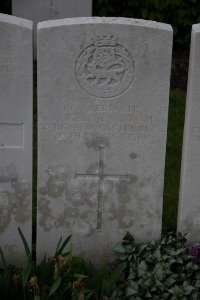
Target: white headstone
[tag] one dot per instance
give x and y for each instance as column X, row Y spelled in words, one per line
column 189, row 200
column 15, row 134
column 42, row 10
column 103, row 87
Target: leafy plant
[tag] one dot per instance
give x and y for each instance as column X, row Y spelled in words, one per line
column 161, row 269
column 63, row 276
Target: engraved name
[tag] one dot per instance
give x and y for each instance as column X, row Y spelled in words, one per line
column 9, row 64
column 118, row 123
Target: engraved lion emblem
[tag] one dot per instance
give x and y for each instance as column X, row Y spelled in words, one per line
column 105, row 68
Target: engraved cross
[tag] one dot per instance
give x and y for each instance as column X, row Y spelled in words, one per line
column 101, row 176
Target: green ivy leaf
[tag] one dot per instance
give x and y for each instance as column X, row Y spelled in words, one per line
column 178, row 291
column 159, row 273
column 131, row 292
column 188, row 288
column 147, row 282
column 141, row 248
column 119, row 248
column 142, row 266
column 157, row 254
column 197, row 284
column 148, row 295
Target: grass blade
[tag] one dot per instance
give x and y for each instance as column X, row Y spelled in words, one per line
column 64, row 244
column 26, row 247
column 3, row 259
column 54, row 287
column 25, row 274
column 59, row 244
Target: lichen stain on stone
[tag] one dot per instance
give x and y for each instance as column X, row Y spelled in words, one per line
column 93, row 168
column 121, row 187
column 158, row 213
column 147, row 207
column 123, row 184
column 11, row 251
column 56, row 182
column 142, row 184
column 132, row 155
column 76, row 198
column 108, row 186
column 146, row 182
column 133, row 202
column 148, row 233
column 121, row 211
column 22, row 199
column 95, row 142
column 150, row 214
column 5, row 216
column 132, row 179
column 8, row 173
column 191, row 227
column 122, row 215
column 14, row 196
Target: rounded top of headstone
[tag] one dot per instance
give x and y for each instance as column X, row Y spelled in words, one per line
column 196, row 27
column 16, row 21
column 106, row 20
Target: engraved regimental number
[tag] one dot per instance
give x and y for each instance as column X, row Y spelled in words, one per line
column 101, row 176
column 105, row 69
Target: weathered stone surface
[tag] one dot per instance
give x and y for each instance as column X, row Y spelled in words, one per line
column 189, row 204
column 103, row 86
column 15, row 134
column 42, row 10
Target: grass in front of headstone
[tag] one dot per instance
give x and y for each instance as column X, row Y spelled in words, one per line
column 162, row 269
column 173, row 159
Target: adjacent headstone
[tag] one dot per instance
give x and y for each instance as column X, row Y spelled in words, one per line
column 38, row 10
column 15, row 135
column 189, row 200
column 42, row 10
column 103, row 87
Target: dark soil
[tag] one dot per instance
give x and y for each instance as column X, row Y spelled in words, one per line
column 179, row 73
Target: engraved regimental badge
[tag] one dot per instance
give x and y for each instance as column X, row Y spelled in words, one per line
column 105, row 68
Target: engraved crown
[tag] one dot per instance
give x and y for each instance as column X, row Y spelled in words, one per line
column 105, row 41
